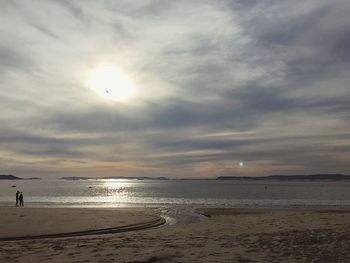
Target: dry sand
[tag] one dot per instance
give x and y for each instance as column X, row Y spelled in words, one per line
column 222, row 235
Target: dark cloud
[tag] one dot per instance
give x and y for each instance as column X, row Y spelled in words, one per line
column 172, row 114
column 47, row 32
column 73, row 9
column 309, row 44
column 13, row 58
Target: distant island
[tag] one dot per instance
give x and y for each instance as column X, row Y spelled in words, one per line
column 135, row 178
column 328, row 177
column 74, row 178
column 12, row 177
column 9, row 177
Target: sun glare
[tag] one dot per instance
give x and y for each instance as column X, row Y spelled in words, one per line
column 111, row 83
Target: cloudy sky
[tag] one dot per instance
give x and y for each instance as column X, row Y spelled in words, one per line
column 214, row 83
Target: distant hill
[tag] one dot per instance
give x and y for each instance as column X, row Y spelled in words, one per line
column 135, row 178
column 9, row 177
column 328, row 177
column 12, row 177
column 74, row 178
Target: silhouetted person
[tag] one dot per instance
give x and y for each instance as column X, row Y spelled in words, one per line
column 21, row 199
column 17, row 196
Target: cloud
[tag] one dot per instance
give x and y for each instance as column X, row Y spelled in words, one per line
column 12, row 59
column 216, row 82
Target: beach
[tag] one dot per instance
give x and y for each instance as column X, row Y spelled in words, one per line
column 190, row 234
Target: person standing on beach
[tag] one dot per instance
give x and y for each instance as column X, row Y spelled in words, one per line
column 21, row 199
column 17, row 196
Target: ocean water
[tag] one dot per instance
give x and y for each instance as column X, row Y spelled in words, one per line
column 124, row 193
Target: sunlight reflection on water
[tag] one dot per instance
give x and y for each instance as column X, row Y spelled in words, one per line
column 116, row 192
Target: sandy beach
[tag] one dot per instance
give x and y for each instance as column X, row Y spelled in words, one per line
column 30, row 222
column 191, row 234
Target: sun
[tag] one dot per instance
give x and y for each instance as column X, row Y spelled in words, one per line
column 110, row 82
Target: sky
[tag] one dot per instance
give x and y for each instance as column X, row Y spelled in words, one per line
column 219, row 88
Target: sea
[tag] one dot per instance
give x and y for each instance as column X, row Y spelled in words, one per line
column 136, row 193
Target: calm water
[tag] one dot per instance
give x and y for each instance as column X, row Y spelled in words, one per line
column 147, row 192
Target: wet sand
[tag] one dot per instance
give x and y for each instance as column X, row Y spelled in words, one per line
column 206, row 235
column 32, row 222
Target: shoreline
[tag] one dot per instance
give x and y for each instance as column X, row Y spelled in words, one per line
column 179, row 205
